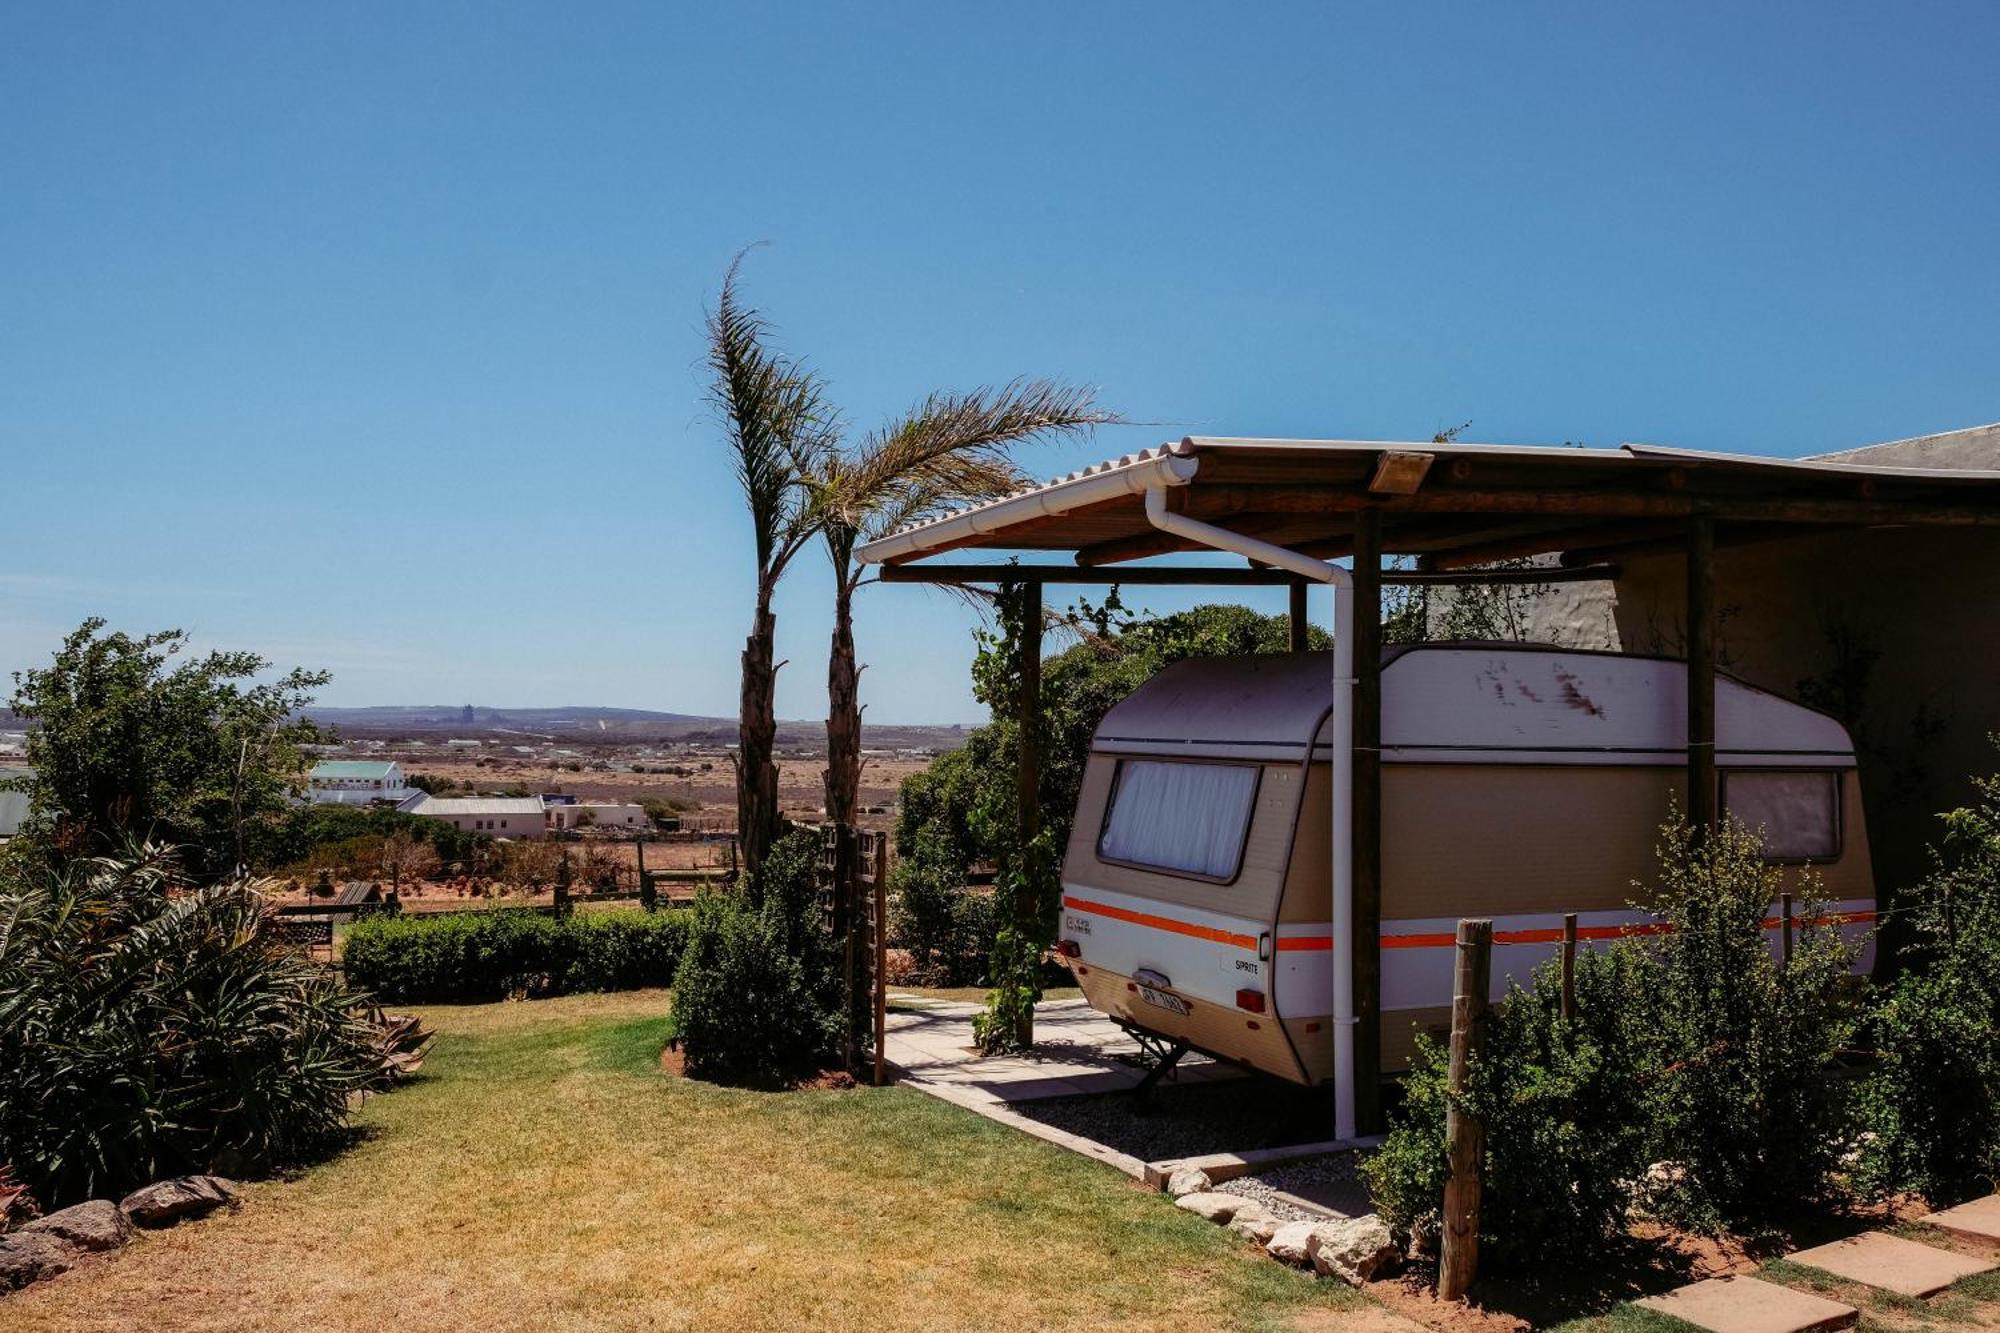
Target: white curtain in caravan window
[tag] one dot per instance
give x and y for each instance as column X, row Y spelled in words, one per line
column 1185, row 817
column 1799, row 813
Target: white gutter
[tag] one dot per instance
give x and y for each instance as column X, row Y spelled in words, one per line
column 1170, row 465
column 1342, row 583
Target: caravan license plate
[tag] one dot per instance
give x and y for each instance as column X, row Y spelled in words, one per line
column 1160, row 999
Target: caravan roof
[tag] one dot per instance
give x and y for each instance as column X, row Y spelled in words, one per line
column 1467, row 703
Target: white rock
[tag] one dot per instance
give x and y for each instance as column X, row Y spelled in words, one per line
column 1217, row 1208
column 1255, row 1222
column 1189, row 1180
column 1290, row 1243
column 1354, row 1250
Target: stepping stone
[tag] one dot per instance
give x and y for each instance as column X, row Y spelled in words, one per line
column 1747, row 1305
column 1978, row 1220
column 1877, row 1259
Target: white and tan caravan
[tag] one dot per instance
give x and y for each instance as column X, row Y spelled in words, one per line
column 1518, row 783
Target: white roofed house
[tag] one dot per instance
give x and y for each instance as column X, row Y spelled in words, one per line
column 496, row 816
column 356, row 782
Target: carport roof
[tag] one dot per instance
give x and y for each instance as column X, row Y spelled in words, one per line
column 1452, row 505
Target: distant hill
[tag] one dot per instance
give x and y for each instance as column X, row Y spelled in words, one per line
column 605, row 725
column 479, row 715
column 612, row 726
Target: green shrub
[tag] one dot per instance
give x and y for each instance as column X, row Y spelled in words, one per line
column 1693, row 1048
column 1562, row 1105
column 756, row 997
column 470, row 957
column 945, row 926
column 1933, row 1097
column 148, row 1028
column 1745, row 1107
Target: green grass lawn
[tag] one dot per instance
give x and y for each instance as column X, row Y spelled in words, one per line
column 544, row 1174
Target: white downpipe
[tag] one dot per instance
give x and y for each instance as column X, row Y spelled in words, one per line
column 1341, row 582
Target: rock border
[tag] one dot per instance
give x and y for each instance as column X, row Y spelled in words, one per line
column 50, row 1246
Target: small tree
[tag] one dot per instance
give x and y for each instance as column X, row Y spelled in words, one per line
column 128, row 745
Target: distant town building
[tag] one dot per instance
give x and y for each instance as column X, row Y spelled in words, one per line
column 356, row 782
column 13, row 804
column 495, row 816
column 566, row 812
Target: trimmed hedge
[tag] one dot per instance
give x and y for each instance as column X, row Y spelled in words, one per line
column 470, row 957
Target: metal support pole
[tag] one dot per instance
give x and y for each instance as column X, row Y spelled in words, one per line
column 1367, row 779
column 1298, row 609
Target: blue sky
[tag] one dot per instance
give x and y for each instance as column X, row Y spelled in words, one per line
column 369, row 335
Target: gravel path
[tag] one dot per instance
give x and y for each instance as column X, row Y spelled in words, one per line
column 1333, row 1182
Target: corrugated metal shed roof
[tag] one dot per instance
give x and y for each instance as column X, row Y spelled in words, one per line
column 353, row 768
column 440, row 806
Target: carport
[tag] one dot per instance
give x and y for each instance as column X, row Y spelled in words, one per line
column 1288, row 510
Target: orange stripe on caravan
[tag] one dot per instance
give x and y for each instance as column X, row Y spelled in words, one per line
column 1165, row 923
column 1553, row 935
column 1440, row 940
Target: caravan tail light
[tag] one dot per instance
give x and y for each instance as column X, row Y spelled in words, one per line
column 1250, row 1000
column 1069, row 948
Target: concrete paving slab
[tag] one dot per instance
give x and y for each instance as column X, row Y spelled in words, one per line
column 1878, row 1259
column 1749, row 1305
column 1978, row 1220
column 1077, row 1052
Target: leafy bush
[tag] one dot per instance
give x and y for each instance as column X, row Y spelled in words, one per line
column 147, row 1028
column 1744, row 1107
column 469, row 957
column 1933, row 1097
column 756, row 997
column 1694, row 1048
column 944, row 925
column 292, row 840
column 1562, row 1104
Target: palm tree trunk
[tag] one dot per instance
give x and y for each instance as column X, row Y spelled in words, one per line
column 843, row 713
column 757, row 735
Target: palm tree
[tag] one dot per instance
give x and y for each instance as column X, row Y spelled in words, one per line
column 780, row 432
column 950, row 449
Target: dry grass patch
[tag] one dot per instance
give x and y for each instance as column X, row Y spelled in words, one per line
column 546, row 1175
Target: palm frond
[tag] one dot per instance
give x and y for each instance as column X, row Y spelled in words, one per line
column 951, row 448
column 781, row 431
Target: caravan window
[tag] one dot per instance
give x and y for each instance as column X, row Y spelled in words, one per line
column 1188, row 819
column 1799, row 812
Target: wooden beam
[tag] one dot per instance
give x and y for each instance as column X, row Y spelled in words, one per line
column 1400, row 472
column 1220, row 502
column 1701, row 671
column 1028, row 778
column 1211, row 576
column 1298, row 613
column 1540, row 543
column 1152, row 541
column 1676, row 543
column 1367, row 776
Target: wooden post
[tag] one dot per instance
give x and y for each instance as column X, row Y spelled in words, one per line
column 881, row 860
column 1785, row 910
column 1569, row 966
column 1701, row 811
column 1028, row 774
column 1298, row 608
column 1465, row 1138
column 1368, row 821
